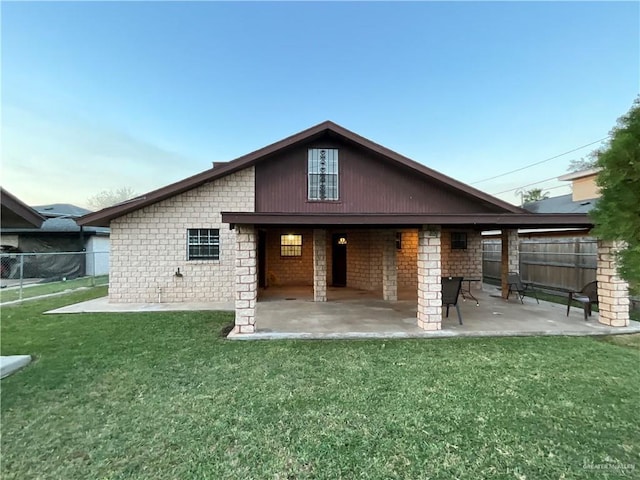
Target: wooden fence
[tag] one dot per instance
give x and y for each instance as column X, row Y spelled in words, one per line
column 565, row 264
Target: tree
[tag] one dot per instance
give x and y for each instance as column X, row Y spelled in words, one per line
column 107, row 198
column 585, row 163
column 617, row 213
column 533, row 195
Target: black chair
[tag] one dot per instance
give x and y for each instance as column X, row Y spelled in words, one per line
column 450, row 291
column 521, row 289
column 586, row 297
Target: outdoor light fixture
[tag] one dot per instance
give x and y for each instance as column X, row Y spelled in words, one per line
column 342, row 241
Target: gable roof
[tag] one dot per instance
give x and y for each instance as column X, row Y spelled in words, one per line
column 103, row 217
column 55, row 218
column 16, row 213
column 61, row 210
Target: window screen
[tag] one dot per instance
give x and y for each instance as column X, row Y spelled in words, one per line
column 203, row 244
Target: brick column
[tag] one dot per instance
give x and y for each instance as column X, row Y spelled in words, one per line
column 246, row 279
column 429, row 279
column 389, row 266
column 510, row 259
column 319, row 265
column 613, row 291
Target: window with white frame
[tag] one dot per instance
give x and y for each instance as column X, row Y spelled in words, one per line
column 323, row 174
column 203, row 244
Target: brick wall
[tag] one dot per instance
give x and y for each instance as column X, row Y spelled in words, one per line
column 465, row 263
column 429, row 314
column 289, row 270
column 364, row 259
column 613, row 291
column 150, row 244
column 407, row 260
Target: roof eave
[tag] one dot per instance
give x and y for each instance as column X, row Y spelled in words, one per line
column 21, row 209
column 488, row 220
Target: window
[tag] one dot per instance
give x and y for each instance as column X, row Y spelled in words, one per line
column 203, row 244
column 398, row 240
column 290, row 245
column 458, row 241
column 323, row 174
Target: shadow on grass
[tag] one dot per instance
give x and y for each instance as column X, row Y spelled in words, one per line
column 629, row 341
column 226, row 330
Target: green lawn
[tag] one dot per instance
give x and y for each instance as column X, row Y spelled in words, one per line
column 35, row 290
column 163, row 396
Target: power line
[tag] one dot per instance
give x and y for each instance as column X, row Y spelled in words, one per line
column 528, row 185
column 541, row 161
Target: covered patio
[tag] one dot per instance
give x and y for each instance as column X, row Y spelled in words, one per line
column 291, row 313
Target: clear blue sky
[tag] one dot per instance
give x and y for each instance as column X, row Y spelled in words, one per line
column 103, row 95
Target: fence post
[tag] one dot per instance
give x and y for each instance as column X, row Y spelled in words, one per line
column 577, row 260
column 93, row 274
column 21, row 275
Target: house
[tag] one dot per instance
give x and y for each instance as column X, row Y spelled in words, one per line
column 584, row 195
column 322, row 207
column 556, row 259
column 16, row 214
column 58, row 232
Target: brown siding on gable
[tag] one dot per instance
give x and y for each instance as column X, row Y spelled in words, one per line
column 367, row 184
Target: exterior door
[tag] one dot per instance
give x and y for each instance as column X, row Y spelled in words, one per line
column 339, row 260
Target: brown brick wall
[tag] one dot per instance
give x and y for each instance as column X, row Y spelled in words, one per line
column 364, row 259
column 289, row 270
column 407, row 258
column 462, row 263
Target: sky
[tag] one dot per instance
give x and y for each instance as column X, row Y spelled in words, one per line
column 102, row 95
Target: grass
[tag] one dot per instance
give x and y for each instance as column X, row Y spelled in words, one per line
column 36, row 290
column 163, row 396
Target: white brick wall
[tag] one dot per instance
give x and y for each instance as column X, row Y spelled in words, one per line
column 429, row 279
column 389, row 266
column 613, row 291
column 150, row 244
column 319, row 265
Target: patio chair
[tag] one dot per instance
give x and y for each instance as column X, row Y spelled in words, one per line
column 450, row 292
column 520, row 288
column 586, row 297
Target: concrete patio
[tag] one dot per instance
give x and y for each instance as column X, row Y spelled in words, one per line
column 291, row 313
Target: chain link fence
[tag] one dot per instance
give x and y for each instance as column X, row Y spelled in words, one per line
column 29, row 275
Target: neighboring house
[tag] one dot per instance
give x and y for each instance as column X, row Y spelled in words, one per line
column 558, row 259
column 17, row 214
column 14, row 214
column 322, row 207
column 584, row 196
column 59, row 232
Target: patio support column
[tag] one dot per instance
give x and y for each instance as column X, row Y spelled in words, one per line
column 613, row 291
column 389, row 266
column 246, row 274
column 429, row 278
column 319, row 265
column 510, row 259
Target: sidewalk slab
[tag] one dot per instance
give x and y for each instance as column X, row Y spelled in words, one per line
column 102, row 305
column 12, row 363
